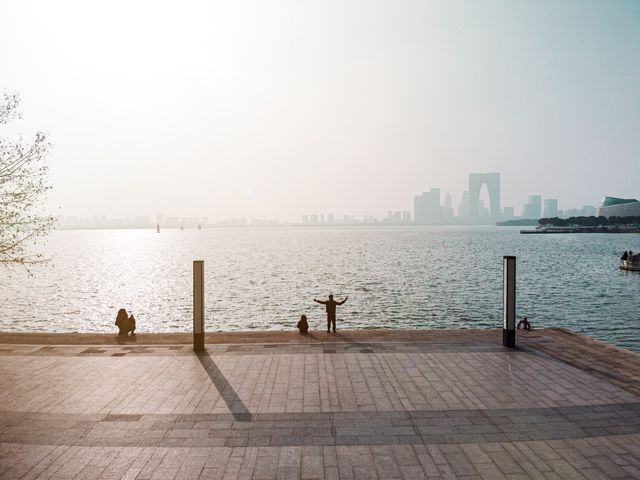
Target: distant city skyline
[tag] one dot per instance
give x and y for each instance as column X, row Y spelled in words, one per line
column 429, row 208
column 512, row 211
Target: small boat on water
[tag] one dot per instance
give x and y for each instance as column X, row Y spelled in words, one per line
column 631, row 263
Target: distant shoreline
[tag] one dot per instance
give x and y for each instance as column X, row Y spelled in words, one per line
column 288, row 225
column 604, row 229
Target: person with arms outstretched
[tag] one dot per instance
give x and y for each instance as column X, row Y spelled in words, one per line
column 330, row 306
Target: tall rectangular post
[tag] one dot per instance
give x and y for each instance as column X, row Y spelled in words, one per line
column 198, row 305
column 509, row 301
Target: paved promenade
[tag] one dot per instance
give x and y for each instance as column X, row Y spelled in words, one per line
column 356, row 405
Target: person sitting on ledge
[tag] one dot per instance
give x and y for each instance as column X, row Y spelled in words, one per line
column 625, row 255
column 303, row 326
column 125, row 323
column 131, row 326
column 121, row 321
column 525, row 324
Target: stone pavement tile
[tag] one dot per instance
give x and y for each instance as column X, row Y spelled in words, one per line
column 312, row 467
column 329, row 456
column 460, row 464
column 232, row 468
column 475, row 454
column 595, row 474
column 609, row 467
column 267, row 466
column 575, row 458
column 506, row 463
column 247, row 468
column 192, row 468
column 288, row 473
column 545, row 451
column 365, row 472
column 489, row 471
column 386, row 466
column 632, row 471
column 405, row 455
column 331, row 473
column 412, row 472
column 345, row 469
column 428, row 465
column 437, row 455
column 152, row 464
column 131, row 474
column 565, row 470
column 533, row 470
column 213, row 473
column 552, row 476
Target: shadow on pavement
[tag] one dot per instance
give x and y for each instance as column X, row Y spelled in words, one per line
column 226, row 391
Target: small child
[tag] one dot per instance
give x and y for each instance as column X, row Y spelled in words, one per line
column 303, row 326
column 131, row 325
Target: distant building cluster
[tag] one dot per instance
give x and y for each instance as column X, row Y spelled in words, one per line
column 394, row 218
column 428, row 208
column 103, row 221
column 98, row 222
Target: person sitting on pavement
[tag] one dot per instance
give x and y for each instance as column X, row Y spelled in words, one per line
column 131, row 326
column 525, row 324
column 303, row 326
column 121, row 321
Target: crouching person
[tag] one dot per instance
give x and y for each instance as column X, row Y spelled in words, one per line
column 126, row 323
column 131, row 326
column 303, row 326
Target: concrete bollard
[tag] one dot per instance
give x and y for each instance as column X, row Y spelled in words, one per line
column 509, row 301
column 198, row 305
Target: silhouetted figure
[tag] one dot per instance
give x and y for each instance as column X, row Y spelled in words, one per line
column 525, row 324
column 131, row 326
column 303, row 326
column 121, row 321
column 625, row 255
column 331, row 305
column 125, row 323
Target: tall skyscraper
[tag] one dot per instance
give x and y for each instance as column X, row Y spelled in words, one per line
column 550, row 208
column 463, row 208
column 492, row 182
column 448, row 209
column 533, row 209
column 427, row 208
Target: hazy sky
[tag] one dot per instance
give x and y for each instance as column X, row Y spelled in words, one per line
column 253, row 108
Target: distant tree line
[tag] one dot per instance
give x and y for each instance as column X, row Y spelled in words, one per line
column 518, row 222
column 589, row 221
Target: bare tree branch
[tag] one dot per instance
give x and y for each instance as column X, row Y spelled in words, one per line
column 23, row 185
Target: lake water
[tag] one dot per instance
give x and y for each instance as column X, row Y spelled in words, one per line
column 404, row 277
